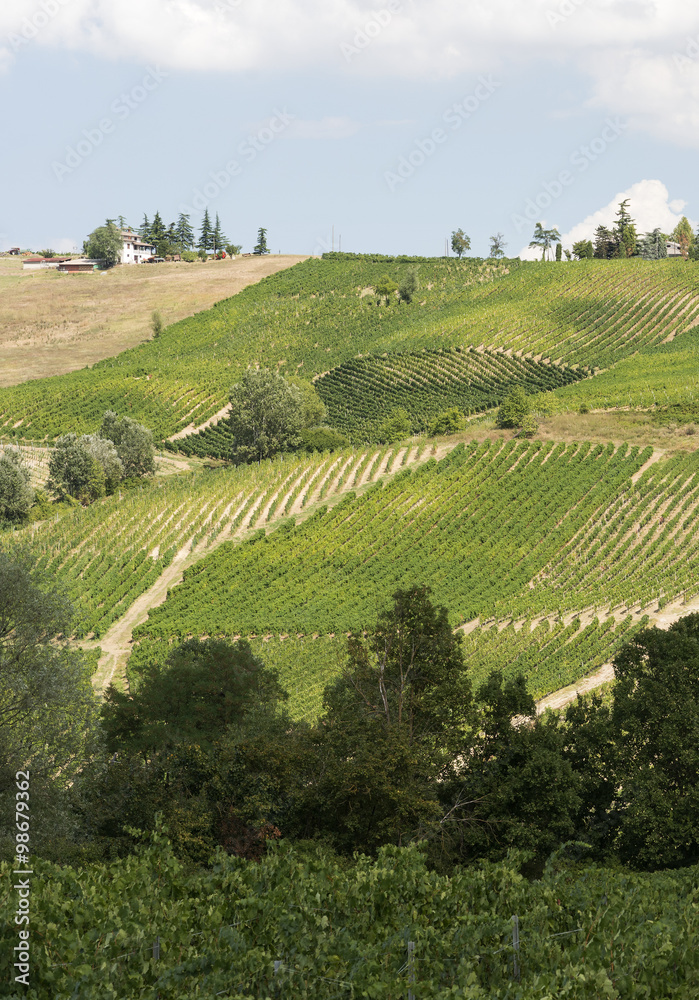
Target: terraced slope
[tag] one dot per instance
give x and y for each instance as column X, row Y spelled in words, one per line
column 322, row 313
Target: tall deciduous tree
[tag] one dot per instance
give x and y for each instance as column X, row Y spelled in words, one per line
column 16, row 493
column 460, row 242
column 133, row 443
column 48, row 710
column 583, row 250
column 83, row 467
column 682, row 234
column 544, row 239
column 655, row 715
column 105, row 243
column 497, row 245
column 265, row 416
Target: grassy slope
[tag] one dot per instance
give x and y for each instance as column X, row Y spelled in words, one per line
column 313, row 317
column 54, row 323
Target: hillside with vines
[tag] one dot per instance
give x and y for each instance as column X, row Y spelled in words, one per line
column 322, row 314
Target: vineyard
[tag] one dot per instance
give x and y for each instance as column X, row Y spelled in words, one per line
column 303, row 924
column 359, row 393
column 110, row 553
column 321, row 314
column 477, row 526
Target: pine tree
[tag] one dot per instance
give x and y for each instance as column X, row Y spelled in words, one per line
column 185, row 233
column 605, row 243
column 653, row 246
column 261, row 247
column 144, row 231
column 624, row 232
column 219, row 239
column 158, row 232
column 206, row 233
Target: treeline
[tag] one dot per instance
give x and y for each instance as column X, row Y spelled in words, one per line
column 404, row 751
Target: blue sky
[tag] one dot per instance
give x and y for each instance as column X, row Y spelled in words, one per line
column 395, row 122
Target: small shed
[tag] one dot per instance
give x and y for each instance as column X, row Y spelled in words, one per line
column 81, row 264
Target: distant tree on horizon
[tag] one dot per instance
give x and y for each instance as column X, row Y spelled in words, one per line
column 544, row 239
column 185, row 233
column 497, row 245
column 261, row 247
column 206, row 233
column 460, row 242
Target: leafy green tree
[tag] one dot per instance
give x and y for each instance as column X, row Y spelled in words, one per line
column 385, row 288
column 514, row 787
column 313, row 409
column 266, row 416
column 105, row 243
column 682, row 234
column 544, row 239
column 497, row 246
column 233, row 249
column 261, row 247
column 583, row 250
column 201, row 689
column 391, row 726
column 655, row 716
column 653, row 246
column 460, row 243
column 513, row 409
column 80, row 467
column 206, row 233
column 185, row 233
column 48, row 710
column 449, row 422
column 322, row 438
column 408, row 286
column 16, row 493
column 396, row 426
column 133, row 443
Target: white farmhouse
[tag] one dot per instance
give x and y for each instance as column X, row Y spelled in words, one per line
column 134, row 250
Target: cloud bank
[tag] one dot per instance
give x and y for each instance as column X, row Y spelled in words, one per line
column 642, row 56
column 649, row 206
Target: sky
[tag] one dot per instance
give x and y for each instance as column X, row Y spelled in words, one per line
column 367, row 126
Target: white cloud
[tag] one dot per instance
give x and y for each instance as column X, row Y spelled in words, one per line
column 642, row 55
column 649, row 206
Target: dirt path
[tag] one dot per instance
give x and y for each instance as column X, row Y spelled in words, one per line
column 115, row 645
column 662, row 618
column 192, row 429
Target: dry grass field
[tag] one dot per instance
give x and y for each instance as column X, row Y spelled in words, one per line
column 53, row 323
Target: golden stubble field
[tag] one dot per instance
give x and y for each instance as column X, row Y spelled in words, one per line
column 53, row 323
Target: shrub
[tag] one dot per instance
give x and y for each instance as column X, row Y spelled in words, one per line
column 448, row 422
column 513, row 409
column 322, row 439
